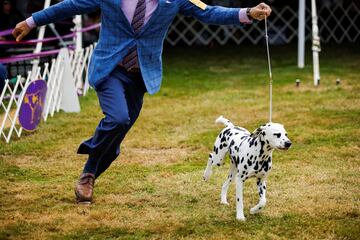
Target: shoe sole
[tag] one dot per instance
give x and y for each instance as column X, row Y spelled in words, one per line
column 83, row 203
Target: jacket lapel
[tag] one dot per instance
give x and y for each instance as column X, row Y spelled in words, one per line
column 153, row 16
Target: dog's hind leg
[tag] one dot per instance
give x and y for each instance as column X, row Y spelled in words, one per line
column 239, row 198
column 216, row 157
column 262, row 193
column 225, row 186
column 208, row 170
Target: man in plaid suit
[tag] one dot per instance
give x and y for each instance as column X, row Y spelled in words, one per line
column 126, row 63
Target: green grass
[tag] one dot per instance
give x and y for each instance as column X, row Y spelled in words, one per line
column 154, row 190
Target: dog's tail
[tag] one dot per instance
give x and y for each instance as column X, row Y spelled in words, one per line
column 224, row 121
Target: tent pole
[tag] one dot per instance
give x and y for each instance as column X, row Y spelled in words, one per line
column 315, row 43
column 301, row 36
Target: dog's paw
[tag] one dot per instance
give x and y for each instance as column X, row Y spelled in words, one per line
column 207, row 175
column 224, row 202
column 241, row 218
column 255, row 210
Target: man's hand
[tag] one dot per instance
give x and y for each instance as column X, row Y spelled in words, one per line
column 21, row 30
column 260, row 11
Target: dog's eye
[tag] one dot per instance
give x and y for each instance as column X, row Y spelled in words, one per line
column 277, row 135
column 286, row 134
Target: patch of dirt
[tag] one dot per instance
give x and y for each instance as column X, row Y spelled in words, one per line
column 8, row 122
column 24, row 161
column 152, row 156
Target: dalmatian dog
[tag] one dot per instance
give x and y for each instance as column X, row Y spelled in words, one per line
column 251, row 156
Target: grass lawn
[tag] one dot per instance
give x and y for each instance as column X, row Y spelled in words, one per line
column 154, row 190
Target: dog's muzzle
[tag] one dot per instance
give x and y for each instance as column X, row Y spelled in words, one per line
column 288, row 144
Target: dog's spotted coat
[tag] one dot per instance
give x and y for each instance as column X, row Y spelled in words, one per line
column 251, row 156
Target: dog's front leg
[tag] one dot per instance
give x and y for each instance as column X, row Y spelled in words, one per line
column 208, row 170
column 261, row 184
column 239, row 198
column 226, row 184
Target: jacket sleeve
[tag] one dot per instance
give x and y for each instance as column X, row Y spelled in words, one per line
column 211, row 14
column 64, row 9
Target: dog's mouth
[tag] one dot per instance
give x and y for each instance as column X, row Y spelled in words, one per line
column 283, row 148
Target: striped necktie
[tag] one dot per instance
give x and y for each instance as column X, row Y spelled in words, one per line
column 131, row 59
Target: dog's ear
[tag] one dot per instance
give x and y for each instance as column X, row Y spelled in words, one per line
column 257, row 132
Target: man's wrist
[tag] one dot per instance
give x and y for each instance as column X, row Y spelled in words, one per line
column 30, row 22
column 248, row 14
column 243, row 17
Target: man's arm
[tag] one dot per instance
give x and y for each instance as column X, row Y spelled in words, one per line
column 65, row 9
column 57, row 12
column 222, row 15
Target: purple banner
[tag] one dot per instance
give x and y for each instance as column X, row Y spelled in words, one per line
column 6, row 32
column 35, row 41
column 49, row 39
column 32, row 105
column 28, row 56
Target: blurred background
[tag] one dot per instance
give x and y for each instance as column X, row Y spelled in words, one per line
column 338, row 21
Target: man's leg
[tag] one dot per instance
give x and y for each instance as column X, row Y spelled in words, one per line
column 120, row 98
column 134, row 93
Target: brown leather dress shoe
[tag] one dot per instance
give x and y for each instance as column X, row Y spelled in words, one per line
column 84, row 188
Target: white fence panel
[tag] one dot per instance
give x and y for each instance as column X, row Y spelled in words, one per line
column 10, row 101
column 337, row 23
column 53, row 73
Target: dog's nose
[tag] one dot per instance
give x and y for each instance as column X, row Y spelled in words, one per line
column 288, row 144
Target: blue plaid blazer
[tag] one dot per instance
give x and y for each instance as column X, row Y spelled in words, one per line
column 117, row 35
